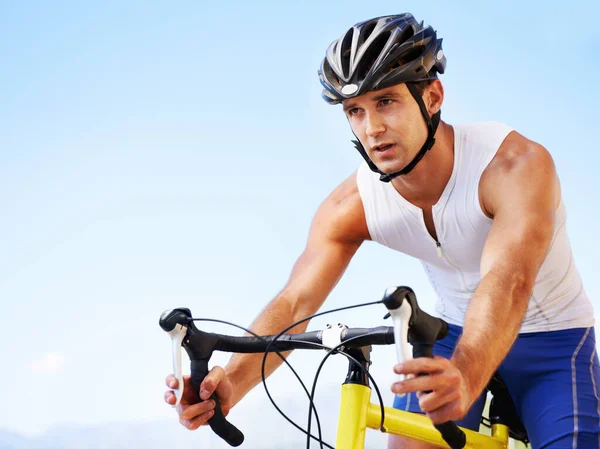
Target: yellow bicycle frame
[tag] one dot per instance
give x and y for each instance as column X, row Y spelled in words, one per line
column 357, row 414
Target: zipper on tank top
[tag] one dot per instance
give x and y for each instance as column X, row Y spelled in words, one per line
column 440, row 252
column 440, row 249
column 438, row 245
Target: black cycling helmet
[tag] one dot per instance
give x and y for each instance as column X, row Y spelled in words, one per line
column 380, row 53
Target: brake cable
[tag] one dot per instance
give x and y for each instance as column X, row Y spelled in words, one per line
column 334, row 350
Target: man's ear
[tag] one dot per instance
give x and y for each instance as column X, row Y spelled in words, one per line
column 434, row 96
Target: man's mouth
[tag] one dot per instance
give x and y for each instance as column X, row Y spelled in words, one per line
column 383, row 147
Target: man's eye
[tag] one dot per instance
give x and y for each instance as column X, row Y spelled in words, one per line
column 353, row 111
column 385, row 101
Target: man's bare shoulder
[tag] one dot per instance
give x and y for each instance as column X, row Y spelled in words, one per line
column 341, row 216
column 515, row 151
column 519, row 161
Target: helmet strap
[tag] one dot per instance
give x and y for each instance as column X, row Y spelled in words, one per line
column 432, row 125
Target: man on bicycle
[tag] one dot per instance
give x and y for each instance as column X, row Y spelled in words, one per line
column 480, row 206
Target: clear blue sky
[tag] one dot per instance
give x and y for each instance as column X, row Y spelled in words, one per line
column 160, row 154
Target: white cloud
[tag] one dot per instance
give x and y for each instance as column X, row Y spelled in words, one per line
column 49, row 363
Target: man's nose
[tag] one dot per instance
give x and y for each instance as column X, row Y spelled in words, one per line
column 375, row 125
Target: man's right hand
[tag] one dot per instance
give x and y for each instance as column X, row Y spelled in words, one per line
column 194, row 410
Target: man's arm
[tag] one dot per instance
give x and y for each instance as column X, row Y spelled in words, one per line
column 337, row 231
column 519, row 190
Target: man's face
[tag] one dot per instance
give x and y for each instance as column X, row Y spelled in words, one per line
column 389, row 124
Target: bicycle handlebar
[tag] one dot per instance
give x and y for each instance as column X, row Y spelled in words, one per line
column 411, row 325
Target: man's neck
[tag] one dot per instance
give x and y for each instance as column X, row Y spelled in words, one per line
column 425, row 184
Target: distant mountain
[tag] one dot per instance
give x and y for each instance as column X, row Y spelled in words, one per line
column 263, row 427
column 11, row 440
column 148, row 435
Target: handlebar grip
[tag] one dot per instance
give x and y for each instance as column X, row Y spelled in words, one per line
column 452, row 435
column 218, row 423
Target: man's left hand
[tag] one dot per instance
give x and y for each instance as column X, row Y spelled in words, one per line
column 443, row 393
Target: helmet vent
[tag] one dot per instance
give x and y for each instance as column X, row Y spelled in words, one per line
column 346, row 52
column 413, row 54
column 367, row 31
column 330, row 74
column 371, row 55
column 406, row 34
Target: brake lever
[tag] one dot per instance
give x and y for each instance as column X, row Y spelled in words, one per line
column 399, row 301
column 178, row 323
column 401, row 312
column 174, row 322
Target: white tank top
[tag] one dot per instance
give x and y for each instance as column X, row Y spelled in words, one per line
column 558, row 301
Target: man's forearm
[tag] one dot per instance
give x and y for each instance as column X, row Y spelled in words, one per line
column 491, row 326
column 244, row 369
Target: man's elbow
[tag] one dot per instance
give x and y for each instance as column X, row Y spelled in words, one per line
column 521, row 289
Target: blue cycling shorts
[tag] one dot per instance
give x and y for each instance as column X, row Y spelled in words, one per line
column 554, row 381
